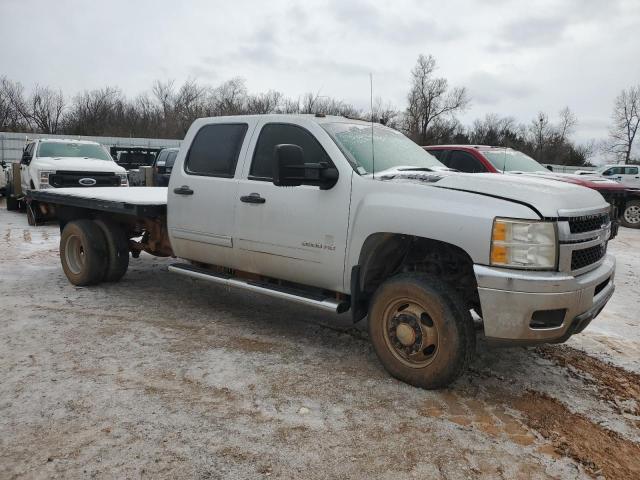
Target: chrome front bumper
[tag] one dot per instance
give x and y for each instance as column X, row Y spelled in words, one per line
column 563, row 304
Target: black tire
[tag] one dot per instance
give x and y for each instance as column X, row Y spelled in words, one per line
column 83, row 252
column 117, row 250
column 12, row 203
column 631, row 214
column 32, row 214
column 443, row 335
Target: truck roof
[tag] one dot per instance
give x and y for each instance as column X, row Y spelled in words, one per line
column 64, row 140
column 476, row 147
column 279, row 117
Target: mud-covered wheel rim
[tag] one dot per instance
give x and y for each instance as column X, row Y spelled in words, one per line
column 74, row 254
column 632, row 214
column 410, row 332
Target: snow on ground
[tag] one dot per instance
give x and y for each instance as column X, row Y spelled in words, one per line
column 163, row 376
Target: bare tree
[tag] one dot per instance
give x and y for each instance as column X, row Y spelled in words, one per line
column 264, row 102
column 46, row 109
column 568, row 122
column 9, row 117
column 626, row 120
column 540, row 131
column 430, row 98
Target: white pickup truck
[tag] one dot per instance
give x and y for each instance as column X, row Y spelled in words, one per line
column 303, row 208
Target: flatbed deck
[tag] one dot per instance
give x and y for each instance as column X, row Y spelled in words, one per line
column 137, row 201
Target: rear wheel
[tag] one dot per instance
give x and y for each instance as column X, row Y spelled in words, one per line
column 117, row 250
column 420, row 331
column 631, row 214
column 83, row 252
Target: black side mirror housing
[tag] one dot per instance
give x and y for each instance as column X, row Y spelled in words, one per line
column 550, row 168
column 290, row 170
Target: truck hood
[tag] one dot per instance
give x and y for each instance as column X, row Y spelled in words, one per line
column 546, row 196
column 590, row 181
column 78, row 164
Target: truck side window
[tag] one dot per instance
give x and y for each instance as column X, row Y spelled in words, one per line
column 274, row 134
column 215, row 149
column 465, row 162
column 162, row 157
column 439, row 154
column 631, row 170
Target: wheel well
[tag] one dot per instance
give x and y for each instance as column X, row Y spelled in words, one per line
column 386, row 254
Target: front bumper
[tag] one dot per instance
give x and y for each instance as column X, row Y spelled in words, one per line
column 525, row 307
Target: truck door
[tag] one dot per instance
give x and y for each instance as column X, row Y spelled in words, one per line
column 631, row 177
column 27, row 156
column 293, row 233
column 203, row 190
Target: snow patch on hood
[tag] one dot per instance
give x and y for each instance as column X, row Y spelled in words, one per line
column 78, row 164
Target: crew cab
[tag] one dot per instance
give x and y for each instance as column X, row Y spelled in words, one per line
column 56, row 163
column 347, row 216
column 627, row 175
column 490, row 159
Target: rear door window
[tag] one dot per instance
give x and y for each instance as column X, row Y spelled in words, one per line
column 215, row 149
column 631, row 170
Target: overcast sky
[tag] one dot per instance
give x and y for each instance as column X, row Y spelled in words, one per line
column 515, row 57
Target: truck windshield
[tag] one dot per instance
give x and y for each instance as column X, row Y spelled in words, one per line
column 508, row 160
column 391, row 148
column 61, row 150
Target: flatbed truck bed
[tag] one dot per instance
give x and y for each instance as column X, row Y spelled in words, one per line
column 140, row 201
column 139, row 213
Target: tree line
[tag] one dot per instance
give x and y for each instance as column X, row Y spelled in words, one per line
column 430, row 116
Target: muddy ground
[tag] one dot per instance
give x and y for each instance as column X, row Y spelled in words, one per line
column 161, row 376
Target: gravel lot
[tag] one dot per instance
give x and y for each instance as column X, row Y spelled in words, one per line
column 161, row 376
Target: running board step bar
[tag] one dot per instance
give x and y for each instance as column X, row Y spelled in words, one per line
column 278, row 291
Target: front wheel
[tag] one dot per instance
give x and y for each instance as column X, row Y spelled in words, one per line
column 420, row 331
column 631, row 214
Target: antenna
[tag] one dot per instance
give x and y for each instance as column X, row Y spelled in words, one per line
column 373, row 156
column 504, row 159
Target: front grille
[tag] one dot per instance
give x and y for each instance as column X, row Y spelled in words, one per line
column 584, row 258
column 588, row 223
column 63, row 179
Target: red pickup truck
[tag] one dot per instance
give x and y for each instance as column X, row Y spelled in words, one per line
column 489, row 159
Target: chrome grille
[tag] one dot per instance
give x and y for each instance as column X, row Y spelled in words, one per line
column 588, row 223
column 588, row 256
column 583, row 237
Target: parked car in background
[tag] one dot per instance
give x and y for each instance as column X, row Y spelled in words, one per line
column 55, row 163
column 627, row 175
column 163, row 164
column 490, row 159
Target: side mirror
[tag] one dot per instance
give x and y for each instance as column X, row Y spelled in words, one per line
column 288, row 165
column 290, row 170
column 26, row 158
column 550, row 168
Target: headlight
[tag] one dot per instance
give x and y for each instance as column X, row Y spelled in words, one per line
column 44, row 178
column 523, row 244
column 124, row 181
